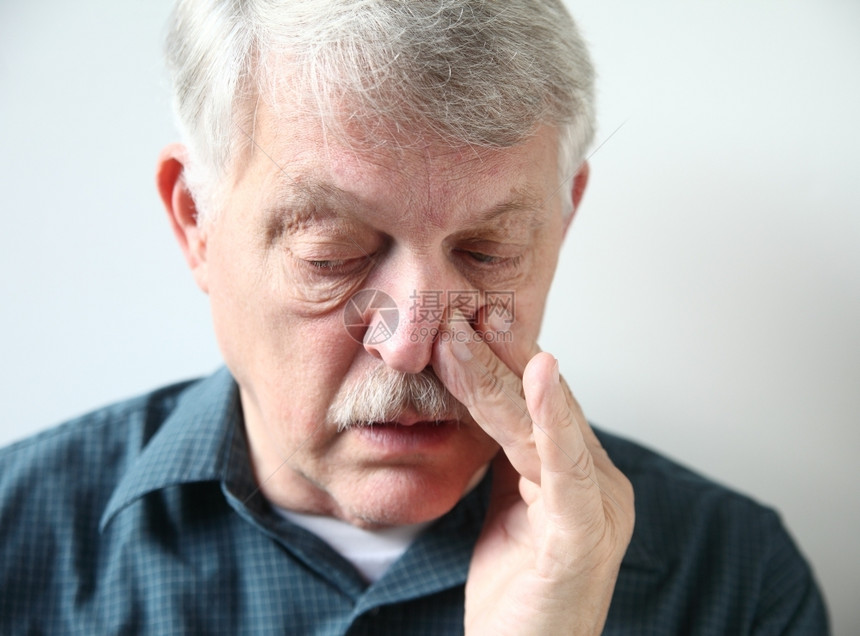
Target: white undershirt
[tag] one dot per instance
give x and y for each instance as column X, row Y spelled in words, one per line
column 371, row 552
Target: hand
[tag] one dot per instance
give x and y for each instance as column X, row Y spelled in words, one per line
column 561, row 514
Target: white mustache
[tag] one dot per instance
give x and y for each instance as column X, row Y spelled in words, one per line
column 384, row 394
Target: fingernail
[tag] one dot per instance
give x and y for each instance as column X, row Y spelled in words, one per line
column 555, row 372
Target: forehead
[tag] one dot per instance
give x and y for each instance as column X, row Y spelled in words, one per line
column 292, row 154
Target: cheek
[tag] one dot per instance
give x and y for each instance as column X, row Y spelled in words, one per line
column 315, row 296
column 237, row 298
column 529, row 305
column 543, row 273
column 294, row 367
column 526, row 326
column 268, row 329
column 320, row 346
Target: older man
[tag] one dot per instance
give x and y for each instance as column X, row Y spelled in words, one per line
column 373, row 194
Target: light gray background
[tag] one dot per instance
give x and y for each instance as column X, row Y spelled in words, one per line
column 707, row 302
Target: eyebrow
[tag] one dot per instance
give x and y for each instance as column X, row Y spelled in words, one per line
column 523, row 205
column 314, row 196
column 298, row 203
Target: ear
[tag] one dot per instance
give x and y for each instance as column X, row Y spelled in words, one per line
column 579, row 183
column 182, row 211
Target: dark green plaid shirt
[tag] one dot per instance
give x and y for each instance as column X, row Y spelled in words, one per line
column 143, row 518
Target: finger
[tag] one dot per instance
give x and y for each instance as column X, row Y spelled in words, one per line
column 569, row 482
column 587, row 432
column 577, row 476
column 491, row 392
column 499, row 337
column 603, row 464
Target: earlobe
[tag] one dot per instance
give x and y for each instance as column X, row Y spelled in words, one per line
column 182, row 210
column 579, row 183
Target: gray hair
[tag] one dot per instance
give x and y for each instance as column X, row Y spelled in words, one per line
column 484, row 73
column 383, row 394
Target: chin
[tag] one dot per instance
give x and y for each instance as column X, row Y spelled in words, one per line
column 399, row 496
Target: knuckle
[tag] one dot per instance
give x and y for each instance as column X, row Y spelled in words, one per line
column 561, row 414
column 583, row 467
column 487, row 382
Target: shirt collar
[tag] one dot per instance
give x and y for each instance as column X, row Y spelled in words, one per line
column 193, row 444
column 202, row 440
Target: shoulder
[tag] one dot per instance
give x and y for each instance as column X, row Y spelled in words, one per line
column 57, row 482
column 681, row 514
column 97, row 441
column 711, row 552
column 54, row 487
column 668, row 492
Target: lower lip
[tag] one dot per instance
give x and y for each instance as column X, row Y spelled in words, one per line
column 399, row 439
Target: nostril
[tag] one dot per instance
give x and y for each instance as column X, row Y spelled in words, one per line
column 374, row 352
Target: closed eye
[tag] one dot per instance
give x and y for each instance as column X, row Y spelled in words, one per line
column 337, row 267
column 325, row 264
column 484, row 258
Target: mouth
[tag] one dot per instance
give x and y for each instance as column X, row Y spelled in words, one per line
column 413, row 419
column 409, row 418
column 413, row 424
column 406, row 434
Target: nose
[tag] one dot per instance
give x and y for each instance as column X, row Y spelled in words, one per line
column 421, row 300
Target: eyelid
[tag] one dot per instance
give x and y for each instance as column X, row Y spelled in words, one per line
column 481, row 260
column 336, row 267
column 333, row 252
column 323, row 264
